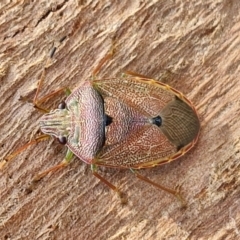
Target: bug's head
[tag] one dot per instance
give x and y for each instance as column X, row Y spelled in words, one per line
column 56, row 123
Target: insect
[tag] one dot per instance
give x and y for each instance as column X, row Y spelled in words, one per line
column 129, row 122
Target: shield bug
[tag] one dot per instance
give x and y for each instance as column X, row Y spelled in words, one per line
column 130, row 122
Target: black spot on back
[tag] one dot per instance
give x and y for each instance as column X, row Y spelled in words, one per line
column 108, row 120
column 157, row 121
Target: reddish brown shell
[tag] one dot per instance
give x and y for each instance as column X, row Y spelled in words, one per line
column 125, row 122
column 134, row 139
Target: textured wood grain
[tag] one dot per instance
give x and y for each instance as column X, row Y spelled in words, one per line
column 193, row 46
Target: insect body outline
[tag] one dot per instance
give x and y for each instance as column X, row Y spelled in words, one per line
column 130, row 122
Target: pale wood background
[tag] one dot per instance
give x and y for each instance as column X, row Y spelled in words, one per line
column 193, row 46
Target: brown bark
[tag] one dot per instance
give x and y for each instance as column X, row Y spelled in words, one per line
column 193, row 46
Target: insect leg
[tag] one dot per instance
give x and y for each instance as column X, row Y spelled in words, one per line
column 134, row 74
column 103, row 61
column 171, row 191
column 50, row 95
column 166, row 75
column 21, row 149
column 64, row 163
column 110, row 185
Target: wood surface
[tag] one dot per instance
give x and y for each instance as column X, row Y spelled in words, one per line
column 194, row 46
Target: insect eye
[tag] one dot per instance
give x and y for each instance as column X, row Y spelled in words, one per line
column 62, row 105
column 62, row 140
